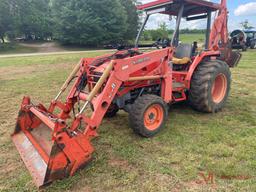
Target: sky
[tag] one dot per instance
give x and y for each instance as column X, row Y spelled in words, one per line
column 239, row 11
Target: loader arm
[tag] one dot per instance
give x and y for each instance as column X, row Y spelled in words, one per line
column 51, row 147
column 120, row 73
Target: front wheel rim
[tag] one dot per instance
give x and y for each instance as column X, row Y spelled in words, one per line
column 153, row 117
column 219, row 88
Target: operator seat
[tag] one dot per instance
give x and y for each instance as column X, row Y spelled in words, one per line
column 183, row 54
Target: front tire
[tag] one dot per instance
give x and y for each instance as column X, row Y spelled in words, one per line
column 112, row 111
column 147, row 115
column 210, row 86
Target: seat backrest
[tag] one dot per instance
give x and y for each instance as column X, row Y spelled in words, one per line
column 183, row 50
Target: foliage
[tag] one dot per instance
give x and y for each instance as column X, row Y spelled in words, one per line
column 25, row 18
column 94, row 22
column 246, row 25
column 6, row 19
column 33, row 19
column 164, row 32
column 87, row 22
column 132, row 18
column 192, row 31
column 15, row 48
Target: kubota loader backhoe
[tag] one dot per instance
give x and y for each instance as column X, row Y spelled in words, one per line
column 55, row 142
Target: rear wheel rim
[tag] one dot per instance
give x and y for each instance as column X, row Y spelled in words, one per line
column 153, row 117
column 219, row 88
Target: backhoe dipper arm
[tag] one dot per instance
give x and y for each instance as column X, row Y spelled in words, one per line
column 219, row 32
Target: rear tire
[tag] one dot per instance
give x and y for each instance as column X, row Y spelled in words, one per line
column 252, row 46
column 210, row 86
column 147, row 115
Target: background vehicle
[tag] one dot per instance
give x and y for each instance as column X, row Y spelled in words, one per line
column 251, row 38
column 55, row 142
column 238, row 40
column 242, row 39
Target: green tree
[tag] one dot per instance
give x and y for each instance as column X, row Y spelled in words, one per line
column 33, row 18
column 161, row 32
column 133, row 18
column 6, row 19
column 89, row 22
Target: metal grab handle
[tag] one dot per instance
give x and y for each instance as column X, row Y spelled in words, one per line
column 99, row 84
column 72, row 74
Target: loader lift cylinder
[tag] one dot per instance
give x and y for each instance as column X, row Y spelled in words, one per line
column 98, row 86
column 71, row 76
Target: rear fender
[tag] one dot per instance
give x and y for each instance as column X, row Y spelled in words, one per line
column 199, row 58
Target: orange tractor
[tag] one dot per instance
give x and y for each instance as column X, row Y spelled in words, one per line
column 55, row 142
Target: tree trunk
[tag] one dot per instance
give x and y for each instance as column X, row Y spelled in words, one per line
column 2, row 38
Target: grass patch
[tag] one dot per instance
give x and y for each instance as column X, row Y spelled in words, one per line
column 14, row 48
column 190, row 38
column 50, row 60
column 223, row 144
column 184, row 38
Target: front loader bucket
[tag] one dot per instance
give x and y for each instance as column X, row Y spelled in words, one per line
column 47, row 157
column 33, row 160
